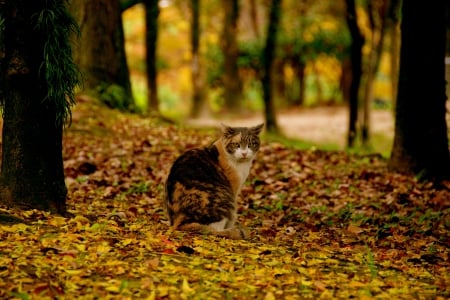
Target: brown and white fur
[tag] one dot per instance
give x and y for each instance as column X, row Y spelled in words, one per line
column 204, row 183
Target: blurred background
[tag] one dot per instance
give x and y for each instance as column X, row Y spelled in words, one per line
column 325, row 72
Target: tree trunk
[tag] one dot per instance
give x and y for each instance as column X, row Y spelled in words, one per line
column 100, row 51
column 345, row 81
column 2, row 45
column 151, row 37
column 268, row 58
column 198, row 100
column 299, row 70
column 377, row 11
column 231, row 81
column 32, row 174
column 394, row 30
column 254, row 18
column 356, row 67
column 421, row 142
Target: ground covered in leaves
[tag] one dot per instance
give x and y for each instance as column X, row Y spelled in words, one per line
column 323, row 225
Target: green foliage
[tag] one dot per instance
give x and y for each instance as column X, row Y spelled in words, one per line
column 58, row 71
column 214, row 65
column 250, row 54
column 328, row 42
column 114, row 96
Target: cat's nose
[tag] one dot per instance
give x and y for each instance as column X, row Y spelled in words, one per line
column 244, row 153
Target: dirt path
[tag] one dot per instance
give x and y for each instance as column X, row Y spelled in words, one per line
column 322, row 125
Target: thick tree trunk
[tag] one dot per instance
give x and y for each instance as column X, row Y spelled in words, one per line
column 32, row 174
column 100, row 51
column 268, row 58
column 421, row 142
column 231, row 81
column 151, row 37
column 356, row 65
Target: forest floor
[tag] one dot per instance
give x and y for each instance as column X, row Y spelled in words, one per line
column 323, row 224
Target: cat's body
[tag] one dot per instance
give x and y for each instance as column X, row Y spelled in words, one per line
column 204, row 183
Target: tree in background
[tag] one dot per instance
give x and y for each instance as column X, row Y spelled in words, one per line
column 100, row 52
column 356, row 67
column 231, row 81
column 39, row 77
column 378, row 13
column 393, row 31
column 2, row 44
column 421, row 142
column 151, row 37
column 267, row 61
column 198, row 99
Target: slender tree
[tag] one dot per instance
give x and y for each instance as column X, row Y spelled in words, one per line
column 253, row 11
column 2, row 44
column 268, row 58
column 356, row 67
column 393, row 29
column 39, row 77
column 377, row 12
column 231, row 81
column 421, row 142
column 198, row 101
column 151, row 37
column 100, row 52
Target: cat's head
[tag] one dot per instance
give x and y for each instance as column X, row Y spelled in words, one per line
column 241, row 143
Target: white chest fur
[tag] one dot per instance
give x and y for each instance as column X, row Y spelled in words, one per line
column 242, row 169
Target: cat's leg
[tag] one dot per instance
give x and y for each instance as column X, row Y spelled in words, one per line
column 236, row 233
column 219, row 226
column 227, row 228
column 216, row 229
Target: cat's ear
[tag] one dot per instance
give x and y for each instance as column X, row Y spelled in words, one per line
column 227, row 131
column 257, row 129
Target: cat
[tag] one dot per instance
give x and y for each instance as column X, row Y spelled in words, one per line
column 203, row 184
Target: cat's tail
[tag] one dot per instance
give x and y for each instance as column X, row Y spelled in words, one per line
column 235, row 233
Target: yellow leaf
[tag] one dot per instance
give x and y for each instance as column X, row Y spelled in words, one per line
column 126, row 242
column 103, row 248
column 80, row 247
column 14, row 228
column 186, row 288
column 152, row 295
column 354, row 284
column 354, row 229
column 73, row 272
column 57, row 221
column 269, row 296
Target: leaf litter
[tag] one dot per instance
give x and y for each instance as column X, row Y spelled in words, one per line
column 323, row 225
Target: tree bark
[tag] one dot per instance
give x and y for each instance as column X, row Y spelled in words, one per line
column 356, row 67
column 32, row 174
column 151, row 37
column 268, row 58
column 377, row 11
column 421, row 142
column 198, row 101
column 393, row 27
column 231, row 81
column 100, row 51
column 254, row 18
column 299, row 70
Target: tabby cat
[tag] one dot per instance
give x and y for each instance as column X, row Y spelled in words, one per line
column 204, row 183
